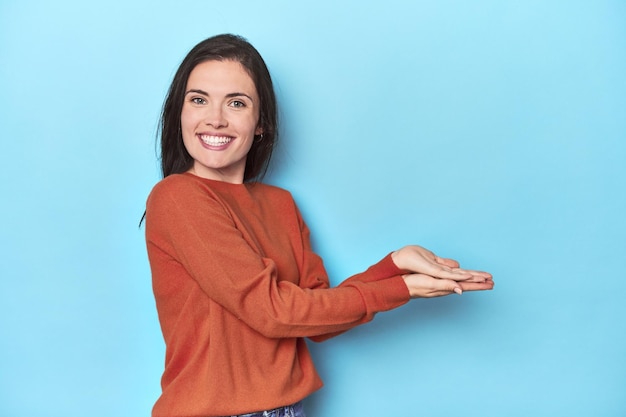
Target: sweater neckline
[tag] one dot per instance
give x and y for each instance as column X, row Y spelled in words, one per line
column 225, row 184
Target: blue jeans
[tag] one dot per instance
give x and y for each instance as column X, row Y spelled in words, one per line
column 295, row 410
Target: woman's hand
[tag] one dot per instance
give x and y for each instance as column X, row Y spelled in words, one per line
column 419, row 260
column 425, row 286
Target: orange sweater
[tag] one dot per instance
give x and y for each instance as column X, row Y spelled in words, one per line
column 237, row 287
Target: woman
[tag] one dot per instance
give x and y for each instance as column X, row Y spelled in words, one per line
column 236, row 283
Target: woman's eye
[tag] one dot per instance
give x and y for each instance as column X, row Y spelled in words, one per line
column 238, row 104
column 198, row 100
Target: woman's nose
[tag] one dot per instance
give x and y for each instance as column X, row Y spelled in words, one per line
column 215, row 117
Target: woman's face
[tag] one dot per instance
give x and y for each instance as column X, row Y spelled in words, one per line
column 219, row 119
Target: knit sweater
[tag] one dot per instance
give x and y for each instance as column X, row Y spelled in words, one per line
column 237, row 288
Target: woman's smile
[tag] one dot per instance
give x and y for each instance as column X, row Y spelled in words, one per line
column 215, row 142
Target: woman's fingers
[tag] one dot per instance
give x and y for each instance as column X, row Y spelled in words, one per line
column 483, row 274
column 419, row 260
column 476, row 276
column 477, row 286
column 424, row 286
column 451, row 274
column 446, row 261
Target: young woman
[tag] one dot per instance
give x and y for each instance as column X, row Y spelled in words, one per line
column 236, row 283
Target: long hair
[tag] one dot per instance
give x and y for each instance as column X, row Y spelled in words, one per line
column 174, row 157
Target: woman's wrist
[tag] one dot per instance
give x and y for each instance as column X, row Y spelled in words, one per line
column 398, row 258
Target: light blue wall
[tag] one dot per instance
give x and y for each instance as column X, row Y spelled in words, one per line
column 490, row 131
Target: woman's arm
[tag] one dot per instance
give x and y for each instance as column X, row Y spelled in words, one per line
column 187, row 226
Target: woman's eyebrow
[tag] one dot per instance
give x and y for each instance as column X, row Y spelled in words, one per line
column 230, row 95
column 197, row 92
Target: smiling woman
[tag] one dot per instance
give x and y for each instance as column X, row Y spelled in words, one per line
column 227, row 50
column 236, row 283
column 220, row 119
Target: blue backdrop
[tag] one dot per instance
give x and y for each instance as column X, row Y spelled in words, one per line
column 489, row 131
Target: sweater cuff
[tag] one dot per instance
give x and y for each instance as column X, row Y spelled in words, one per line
column 385, row 294
column 384, row 269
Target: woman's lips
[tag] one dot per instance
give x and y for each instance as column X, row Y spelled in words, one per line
column 215, row 141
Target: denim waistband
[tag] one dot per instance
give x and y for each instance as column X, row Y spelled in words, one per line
column 294, row 410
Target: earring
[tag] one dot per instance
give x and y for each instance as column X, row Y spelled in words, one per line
column 259, row 138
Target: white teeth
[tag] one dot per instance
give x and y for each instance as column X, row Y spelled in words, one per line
column 215, row 140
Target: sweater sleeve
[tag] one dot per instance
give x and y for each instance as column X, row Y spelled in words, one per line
column 314, row 274
column 190, row 227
